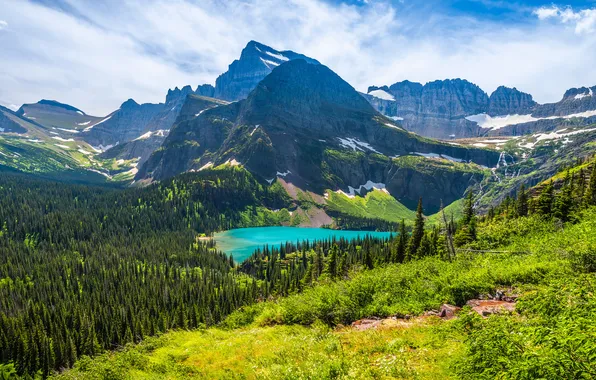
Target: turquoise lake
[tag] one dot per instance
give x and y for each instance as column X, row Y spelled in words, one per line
column 242, row 242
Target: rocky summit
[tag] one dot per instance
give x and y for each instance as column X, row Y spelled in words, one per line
column 255, row 63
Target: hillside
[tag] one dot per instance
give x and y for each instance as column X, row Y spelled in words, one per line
column 313, row 333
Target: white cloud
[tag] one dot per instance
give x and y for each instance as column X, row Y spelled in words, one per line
column 3, row 24
column 584, row 21
column 99, row 55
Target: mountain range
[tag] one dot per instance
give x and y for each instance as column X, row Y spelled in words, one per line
column 285, row 117
column 456, row 108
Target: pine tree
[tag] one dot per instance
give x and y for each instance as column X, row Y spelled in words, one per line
column 417, row 233
column 332, row 263
column 563, row 203
column 522, row 202
column 402, row 243
column 544, row 203
column 590, row 197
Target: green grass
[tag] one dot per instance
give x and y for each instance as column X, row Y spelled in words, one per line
column 375, row 205
column 417, row 350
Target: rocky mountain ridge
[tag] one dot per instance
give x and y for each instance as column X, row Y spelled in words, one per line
column 456, row 108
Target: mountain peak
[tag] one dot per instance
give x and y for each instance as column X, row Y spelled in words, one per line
column 256, row 62
column 299, row 89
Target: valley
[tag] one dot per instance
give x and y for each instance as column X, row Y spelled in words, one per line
column 278, row 223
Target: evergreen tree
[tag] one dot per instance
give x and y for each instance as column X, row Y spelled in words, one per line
column 522, row 202
column 563, row 203
column 417, row 233
column 544, row 203
column 332, row 263
column 402, row 243
column 591, row 190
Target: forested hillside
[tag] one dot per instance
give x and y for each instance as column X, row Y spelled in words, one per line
column 523, row 250
column 77, row 280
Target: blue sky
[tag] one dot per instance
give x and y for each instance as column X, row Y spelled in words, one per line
column 96, row 54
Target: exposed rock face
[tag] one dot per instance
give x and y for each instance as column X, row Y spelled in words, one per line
column 143, row 146
column 8, row 124
column 575, row 100
column 255, row 63
column 205, row 90
column 307, row 125
column 132, row 120
column 442, row 109
column 507, row 101
column 125, row 124
column 437, row 109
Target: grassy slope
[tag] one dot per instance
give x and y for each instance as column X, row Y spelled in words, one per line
column 380, row 205
column 375, row 205
column 284, row 348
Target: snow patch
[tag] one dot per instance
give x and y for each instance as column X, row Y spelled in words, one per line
column 369, row 185
column 584, row 95
column 480, row 145
column 62, row 146
column 396, row 118
column 102, row 121
column 486, row 121
column 159, row 133
column 439, row 156
column 85, row 123
column 69, row 130
column 84, row 152
column 277, row 56
column 392, row 126
column 283, row 174
column 34, row 140
column 80, row 113
column 102, row 173
column 270, row 181
column 356, row 144
column 269, row 63
column 254, row 130
column 61, row 139
column 382, row 94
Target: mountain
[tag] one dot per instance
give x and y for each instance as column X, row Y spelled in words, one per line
column 141, row 147
column 456, row 108
column 255, row 63
column 306, row 125
column 53, row 114
column 437, row 109
column 132, row 120
column 9, row 122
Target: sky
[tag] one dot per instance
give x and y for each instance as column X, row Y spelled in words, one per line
column 95, row 55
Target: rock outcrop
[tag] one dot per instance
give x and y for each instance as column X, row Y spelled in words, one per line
column 508, row 101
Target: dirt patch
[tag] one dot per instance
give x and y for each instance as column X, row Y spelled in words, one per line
column 489, row 307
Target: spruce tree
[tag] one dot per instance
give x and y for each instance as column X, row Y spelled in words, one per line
column 563, row 204
column 522, row 202
column 402, row 243
column 590, row 197
column 417, row 232
column 544, row 203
